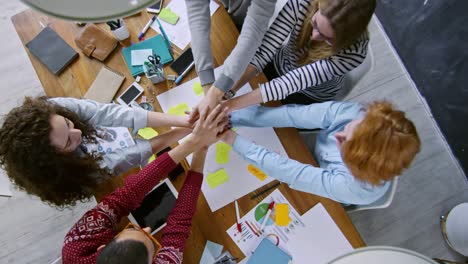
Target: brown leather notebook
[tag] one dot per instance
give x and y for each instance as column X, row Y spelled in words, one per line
column 105, row 86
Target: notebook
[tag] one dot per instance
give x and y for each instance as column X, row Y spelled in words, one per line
column 267, row 252
column 105, row 86
column 157, row 44
column 52, row 50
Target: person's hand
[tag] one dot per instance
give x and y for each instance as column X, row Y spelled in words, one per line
column 204, row 107
column 209, row 129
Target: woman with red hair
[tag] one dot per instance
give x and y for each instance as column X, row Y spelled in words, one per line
column 359, row 149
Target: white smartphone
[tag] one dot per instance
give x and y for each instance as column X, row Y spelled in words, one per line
column 156, row 8
column 131, row 94
column 156, row 207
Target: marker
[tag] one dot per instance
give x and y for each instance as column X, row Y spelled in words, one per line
column 270, row 208
column 177, row 81
column 239, row 227
column 168, row 43
column 142, row 33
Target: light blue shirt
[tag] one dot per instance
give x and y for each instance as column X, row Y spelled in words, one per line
column 112, row 115
column 332, row 179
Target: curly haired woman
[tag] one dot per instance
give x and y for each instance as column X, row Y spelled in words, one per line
column 308, row 50
column 53, row 148
column 359, row 150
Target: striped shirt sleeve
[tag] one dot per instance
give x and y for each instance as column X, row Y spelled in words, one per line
column 316, row 73
column 276, row 35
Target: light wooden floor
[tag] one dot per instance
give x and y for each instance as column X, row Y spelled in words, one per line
column 31, row 232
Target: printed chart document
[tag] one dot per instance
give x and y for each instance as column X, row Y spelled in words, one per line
column 179, row 33
column 320, row 241
column 227, row 175
column 249, row 239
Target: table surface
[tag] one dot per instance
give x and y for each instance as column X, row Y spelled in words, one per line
column 77, row 77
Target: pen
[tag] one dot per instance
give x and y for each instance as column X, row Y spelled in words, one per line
column 168, row 43
column 142, row 33
column 177, row 81
column 239, row 228
column 270, row 208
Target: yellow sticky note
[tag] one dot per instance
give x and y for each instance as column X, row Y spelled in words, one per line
column 282, row 214
column 179, row 109
column 217, row 178
column 153, row 157
column 167, row 15
column 222, row 152
column 147, row 133
column 234, row 129
column 256, row 172
column 197, row 88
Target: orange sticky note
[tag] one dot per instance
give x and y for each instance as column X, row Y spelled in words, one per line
column 282, row 214
column 256, row 172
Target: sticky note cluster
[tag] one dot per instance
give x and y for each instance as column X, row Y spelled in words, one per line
column 256, row 172
column 217, row 178
column 168, row 16
column 179, row 109
column 222, row 152
column 282, row 214
column 197, row 88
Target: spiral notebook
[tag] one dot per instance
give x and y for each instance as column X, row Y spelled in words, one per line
column 105, row 86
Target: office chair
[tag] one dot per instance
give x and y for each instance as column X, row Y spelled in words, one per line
column 381, row 203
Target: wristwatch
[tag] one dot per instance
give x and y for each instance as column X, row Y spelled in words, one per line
column 229, row 94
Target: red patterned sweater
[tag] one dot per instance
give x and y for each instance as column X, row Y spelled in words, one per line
column 97, row 226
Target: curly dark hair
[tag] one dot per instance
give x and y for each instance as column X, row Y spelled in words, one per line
column 35, row 166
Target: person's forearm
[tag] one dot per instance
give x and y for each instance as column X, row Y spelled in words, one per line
column 198, row 160
column 168, row 138
column 156, row 119
column 252, row 98
column 248, row 74
column 254, row 28
column 184, row 149
column 200, row 25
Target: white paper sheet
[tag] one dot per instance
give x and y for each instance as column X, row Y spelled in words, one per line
column 240, row 182
column 320, row 240
column 179, row 34
column 247, row 241
column 5, row 184
column 140, row 56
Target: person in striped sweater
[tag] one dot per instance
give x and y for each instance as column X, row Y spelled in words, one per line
column 311, row 45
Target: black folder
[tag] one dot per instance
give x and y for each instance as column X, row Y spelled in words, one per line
column 52, row 50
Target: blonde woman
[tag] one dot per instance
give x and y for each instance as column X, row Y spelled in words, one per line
column 311, row 46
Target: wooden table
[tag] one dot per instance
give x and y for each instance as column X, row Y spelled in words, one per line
column 76, row 79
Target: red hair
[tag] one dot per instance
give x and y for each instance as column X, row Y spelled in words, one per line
column 382, row 145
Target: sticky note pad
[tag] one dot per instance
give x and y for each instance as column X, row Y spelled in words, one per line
column 140, row 56
column 197, row 88
column 179, row 109
column 256, row 172
column 167, row 15
column 222, row 152
column 282, row 214
column 147, row 132
column 217, row 178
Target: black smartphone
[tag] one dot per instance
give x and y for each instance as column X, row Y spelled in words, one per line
column 182, row 62
column 156, row 8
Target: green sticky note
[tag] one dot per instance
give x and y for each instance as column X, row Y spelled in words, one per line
column 234, row 129
column 147, row 133
column 222, row 152
column 197, row 88
column 179, row 109
column 167, row 15
column 153, row 157
column 217, row 178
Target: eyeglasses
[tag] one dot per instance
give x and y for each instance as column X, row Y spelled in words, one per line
column 157, row 246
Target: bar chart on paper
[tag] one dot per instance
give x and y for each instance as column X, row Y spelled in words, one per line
column 227, row 176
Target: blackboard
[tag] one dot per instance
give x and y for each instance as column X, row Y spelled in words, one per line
column 431, row 38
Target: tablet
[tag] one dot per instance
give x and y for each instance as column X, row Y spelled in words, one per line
column 131, row 94
column 156, row 206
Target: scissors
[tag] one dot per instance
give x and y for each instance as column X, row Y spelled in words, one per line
column 154, row 59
